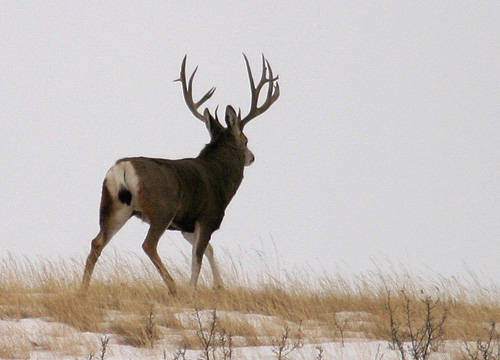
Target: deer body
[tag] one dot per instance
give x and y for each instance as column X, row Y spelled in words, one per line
column 189, row 195
column 174, row 188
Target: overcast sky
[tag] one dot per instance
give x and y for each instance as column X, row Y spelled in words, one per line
column 383, row 147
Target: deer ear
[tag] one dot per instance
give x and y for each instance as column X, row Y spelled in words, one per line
column 232, row 119
column 213, row 125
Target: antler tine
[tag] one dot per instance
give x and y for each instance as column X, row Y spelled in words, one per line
column 190, row 83
column 187, row 90
column 272, row 92
column 270, row 88
column 264, row 71
column 250, row 77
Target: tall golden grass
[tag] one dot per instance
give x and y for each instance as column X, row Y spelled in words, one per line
column 127, row 298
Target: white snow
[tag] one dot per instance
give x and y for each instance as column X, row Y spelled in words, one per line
column 48, row 340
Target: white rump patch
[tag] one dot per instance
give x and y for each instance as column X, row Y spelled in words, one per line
column 122, row 175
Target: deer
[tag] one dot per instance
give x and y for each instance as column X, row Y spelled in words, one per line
column 189, row 195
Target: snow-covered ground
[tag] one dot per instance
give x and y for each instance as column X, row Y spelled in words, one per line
column 42, row 339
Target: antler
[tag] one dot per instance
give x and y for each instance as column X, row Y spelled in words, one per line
column 187, row 89
column 273, row 91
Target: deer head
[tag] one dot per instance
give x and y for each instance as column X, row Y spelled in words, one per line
column 233, row 132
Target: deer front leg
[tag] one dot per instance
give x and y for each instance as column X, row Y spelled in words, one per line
column 217, row 280
column 200, row 243
column 209, row 253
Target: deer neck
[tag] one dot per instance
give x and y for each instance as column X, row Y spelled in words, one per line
column 226, row 166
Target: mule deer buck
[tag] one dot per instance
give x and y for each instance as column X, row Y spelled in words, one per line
column 188, row 195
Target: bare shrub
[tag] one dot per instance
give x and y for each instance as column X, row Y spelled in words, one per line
column 180, row 354
column 207, row 335
column 103, row 349
column 150, row 329
column 104, row 346
column 216, row 343
column 225, row 342
column 340, row 325
column 319, row 352
column 378, row 354
column 285, row 344
column 487, row 348
column 416, row 336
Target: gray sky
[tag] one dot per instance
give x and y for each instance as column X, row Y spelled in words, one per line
column 383, row 147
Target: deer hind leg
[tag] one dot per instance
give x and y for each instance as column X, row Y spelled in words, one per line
column 209, row 253
column 113, row 215
column 150, row 248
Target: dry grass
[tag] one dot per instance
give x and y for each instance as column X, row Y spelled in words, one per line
column 238, row 326
column 135, row 332
column 127, row 298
